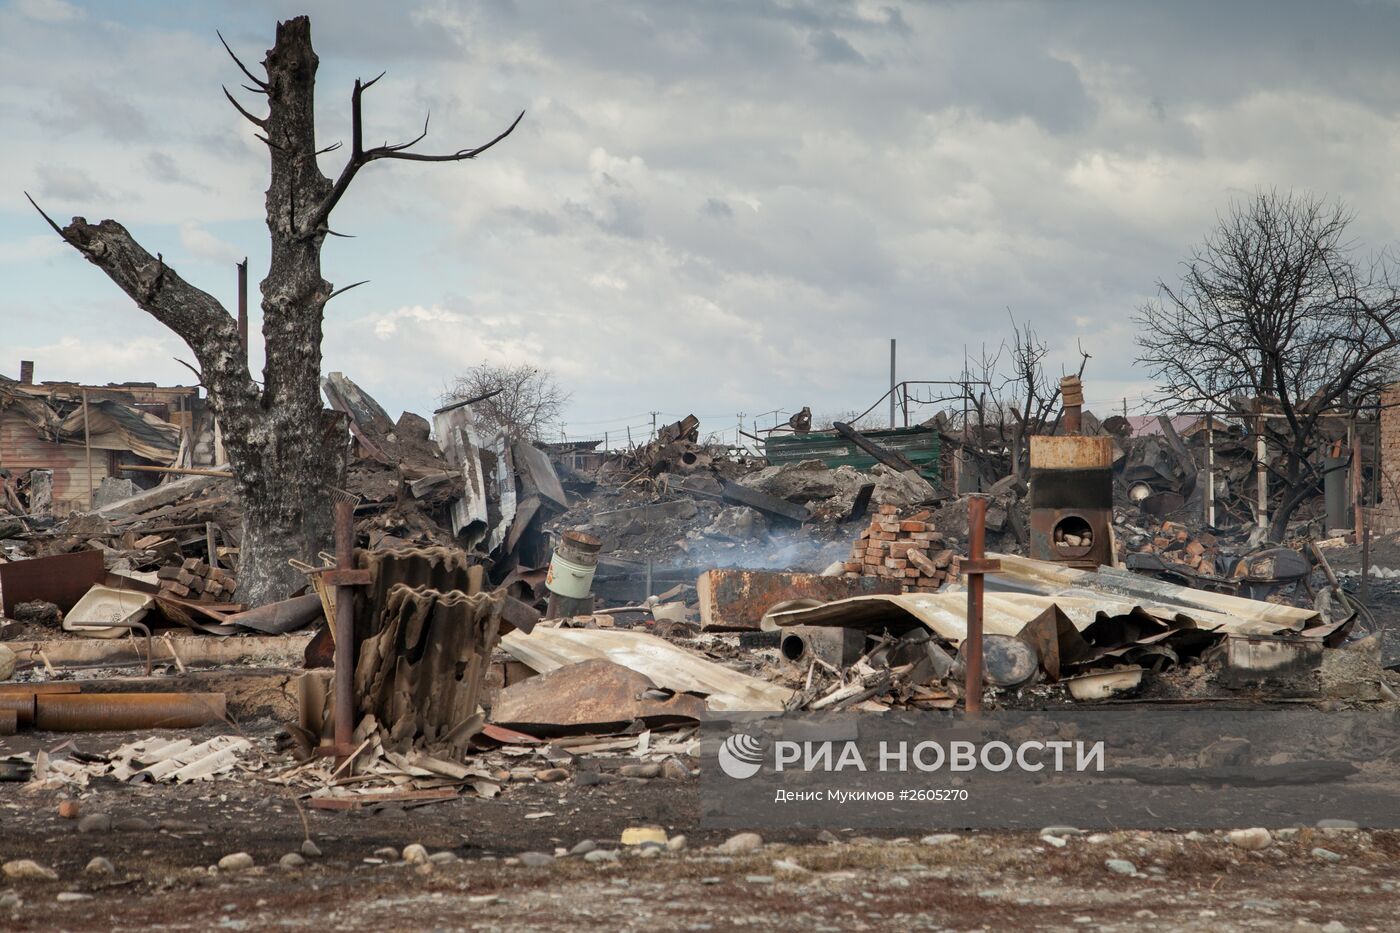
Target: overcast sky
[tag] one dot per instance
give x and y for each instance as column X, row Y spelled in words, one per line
column 711, row 206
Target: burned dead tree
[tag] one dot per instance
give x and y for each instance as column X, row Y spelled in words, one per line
column 285, row 451
column 522, row 400
column 1278, row 320
column 1020, row 400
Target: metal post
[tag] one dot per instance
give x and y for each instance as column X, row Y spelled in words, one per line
column 1357, row 506
column 243, row 305
column 1210, row 471
column 892, row 382
column 974, row 568
column 87, row 451
column 1261, row 474
column 344, row 627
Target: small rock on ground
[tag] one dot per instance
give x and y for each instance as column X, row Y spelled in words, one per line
column 1251, row 840
column 310, row 849
column 600, row 855
column 938, row 839
column 292, row 860
column 95, row 823
column 1327, row 855
column 99, row 866
column 24, row 869
column 535, row 859
column 583, row 847
column 236, row 861
column 415, row 854
column 1120, row 866
column 676, row 843
column 741, row 844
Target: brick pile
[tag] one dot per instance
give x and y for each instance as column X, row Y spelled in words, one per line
column 194, row 579
column 909, row 550
column 1173, row 542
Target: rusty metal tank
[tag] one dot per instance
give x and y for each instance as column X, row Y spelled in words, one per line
column 1071, row 500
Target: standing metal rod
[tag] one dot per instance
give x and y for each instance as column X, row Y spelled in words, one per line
column 974, row 568
column 243, row 306
column 892, row 382
column 87, row 450
column 344, row 627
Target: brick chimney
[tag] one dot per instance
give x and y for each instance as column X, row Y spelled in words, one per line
column 26, row 372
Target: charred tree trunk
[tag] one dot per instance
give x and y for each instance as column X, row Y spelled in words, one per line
column 287, row 453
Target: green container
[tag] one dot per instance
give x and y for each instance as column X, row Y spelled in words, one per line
column 919, row 445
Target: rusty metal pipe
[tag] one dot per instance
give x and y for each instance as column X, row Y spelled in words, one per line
column 21, row 704
column 9, row 722
column 48, row 686
column 972, row 653
column 96, row 712
column 344, row 711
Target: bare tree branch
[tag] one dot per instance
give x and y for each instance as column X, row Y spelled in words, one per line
column 262, row 85
column 256, row 121
column 360, row 156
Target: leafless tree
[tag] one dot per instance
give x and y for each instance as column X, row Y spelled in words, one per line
column 523, row 400
column 1018, row 400
column 285, row 451
column 1276, row 313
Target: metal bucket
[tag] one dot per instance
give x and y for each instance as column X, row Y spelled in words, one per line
column 573, row 565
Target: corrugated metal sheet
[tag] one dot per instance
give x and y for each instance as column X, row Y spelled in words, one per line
column 22, row 449
column 919, row 445
column 547, row 649
column 1029, row 587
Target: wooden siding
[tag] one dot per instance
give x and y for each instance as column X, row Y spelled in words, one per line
column 22, row 449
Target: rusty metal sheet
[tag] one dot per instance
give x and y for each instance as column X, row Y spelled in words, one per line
column 61, row 579
column 668, row 665
column 281, row 617
column 733, row 599
column 1071, row 453
column 594, row 696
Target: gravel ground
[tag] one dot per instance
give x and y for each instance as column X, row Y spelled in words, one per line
column 166, row 842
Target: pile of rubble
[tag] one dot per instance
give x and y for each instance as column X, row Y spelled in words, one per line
column 907, row 550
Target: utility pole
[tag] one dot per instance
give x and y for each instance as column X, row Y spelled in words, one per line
column 653, row 423
column 739, row 431
column 892, row 382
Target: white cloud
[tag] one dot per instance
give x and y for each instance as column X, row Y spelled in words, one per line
column 49, row 11
column 731, row 206
column 202, row 244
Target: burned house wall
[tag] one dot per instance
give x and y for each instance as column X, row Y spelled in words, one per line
column 22, row 449
column 1385, row 517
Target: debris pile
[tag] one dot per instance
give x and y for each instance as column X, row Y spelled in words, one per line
column 909, row 551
